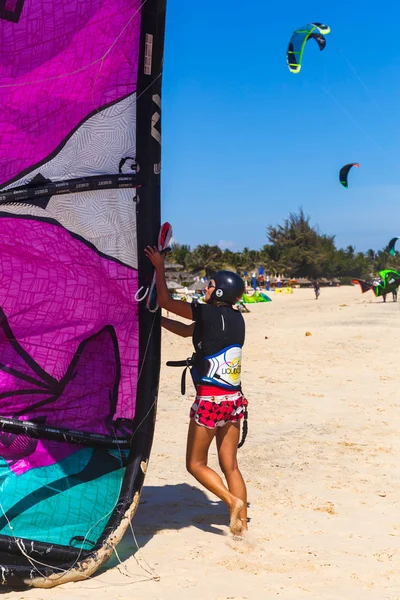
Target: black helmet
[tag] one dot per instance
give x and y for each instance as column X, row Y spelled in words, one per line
column 228, row 287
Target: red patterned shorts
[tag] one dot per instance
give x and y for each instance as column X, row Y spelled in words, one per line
column 217, row 411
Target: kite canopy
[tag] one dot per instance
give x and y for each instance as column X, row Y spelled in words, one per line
column 80, row 152
column 344, row 172
column 365, row 286
column 255, row 298
column 391, row 246
column 389, row 281
column 300, row 37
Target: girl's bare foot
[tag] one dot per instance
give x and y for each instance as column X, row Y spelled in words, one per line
column 236, row 525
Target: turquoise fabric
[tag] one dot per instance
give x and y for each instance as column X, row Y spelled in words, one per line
column 70, row 510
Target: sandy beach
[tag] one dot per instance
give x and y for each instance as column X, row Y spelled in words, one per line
column 321, row 461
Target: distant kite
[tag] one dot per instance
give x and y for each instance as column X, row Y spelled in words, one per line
column 364, row 285
column 344, row 171
column 391, row 246
column 300, row 37
column 389, row 281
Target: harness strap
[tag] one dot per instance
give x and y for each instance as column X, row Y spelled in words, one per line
column 179, row 363
column 182, row 363
column 245, row 425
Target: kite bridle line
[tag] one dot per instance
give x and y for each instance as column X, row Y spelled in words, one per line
column 348, row 114
column 363, row 85
column 62, row 572
column 33, row 562
column 369, row 95
column 353, row 119
column 20, row 544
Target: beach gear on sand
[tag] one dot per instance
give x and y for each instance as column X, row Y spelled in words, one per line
column 255, row 298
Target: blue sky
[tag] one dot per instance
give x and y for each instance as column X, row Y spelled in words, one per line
column 245, row 141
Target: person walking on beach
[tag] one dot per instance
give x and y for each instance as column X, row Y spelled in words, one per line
column 218, row 332
column 317, row 290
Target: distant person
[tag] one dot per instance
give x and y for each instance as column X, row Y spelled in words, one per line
column 241, row 307
column 317, row 290
column 267, row 283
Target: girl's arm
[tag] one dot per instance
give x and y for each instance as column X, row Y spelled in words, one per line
column 177, row 327
column 165, row 300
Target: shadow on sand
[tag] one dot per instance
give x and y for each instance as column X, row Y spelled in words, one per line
column 170, row 507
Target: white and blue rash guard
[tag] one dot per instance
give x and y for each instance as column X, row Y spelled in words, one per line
column 218, row 338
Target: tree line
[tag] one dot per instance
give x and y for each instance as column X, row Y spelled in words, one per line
column 295, row 249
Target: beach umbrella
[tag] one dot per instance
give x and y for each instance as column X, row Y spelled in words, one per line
column 197, row 286
column 172, row 266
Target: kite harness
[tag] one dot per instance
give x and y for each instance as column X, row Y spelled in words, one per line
column 221, row 369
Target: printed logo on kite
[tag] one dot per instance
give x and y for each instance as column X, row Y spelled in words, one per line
column 10, row 10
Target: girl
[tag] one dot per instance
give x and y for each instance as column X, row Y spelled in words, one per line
column 218, row 333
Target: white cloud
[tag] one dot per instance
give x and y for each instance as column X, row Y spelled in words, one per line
column 226, row 244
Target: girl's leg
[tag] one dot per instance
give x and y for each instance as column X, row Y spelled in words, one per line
column 227, row 443
column 198, row 443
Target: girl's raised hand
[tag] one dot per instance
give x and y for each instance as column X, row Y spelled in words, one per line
column 156, row 258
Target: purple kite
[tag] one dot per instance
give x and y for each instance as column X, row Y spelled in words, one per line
column 80, row 86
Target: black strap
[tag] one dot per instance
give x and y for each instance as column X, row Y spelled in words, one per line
column 183, row 381
column 189, row 362
column 245, row 427
column 178, row 363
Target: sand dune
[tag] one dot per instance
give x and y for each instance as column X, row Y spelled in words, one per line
column 321, row 461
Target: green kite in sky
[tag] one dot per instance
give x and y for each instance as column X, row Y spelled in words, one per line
column 300, row 37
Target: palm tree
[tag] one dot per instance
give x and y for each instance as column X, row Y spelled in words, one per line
column 207, row 258
column 179, row 254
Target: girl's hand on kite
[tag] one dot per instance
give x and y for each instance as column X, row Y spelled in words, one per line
column 156, row 258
